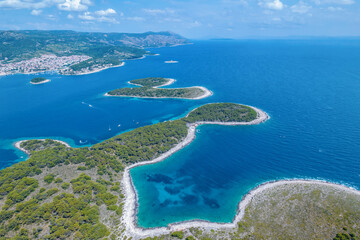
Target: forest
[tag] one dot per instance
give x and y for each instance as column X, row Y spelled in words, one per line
column 38, row 202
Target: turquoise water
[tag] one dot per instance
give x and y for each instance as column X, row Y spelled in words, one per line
column 310, row 88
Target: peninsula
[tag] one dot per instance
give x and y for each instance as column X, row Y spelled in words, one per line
column 150, row 88
column 39, row 80
column 75, row 53
column 63, row 192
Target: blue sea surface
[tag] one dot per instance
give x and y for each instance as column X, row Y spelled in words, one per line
column 310, row 88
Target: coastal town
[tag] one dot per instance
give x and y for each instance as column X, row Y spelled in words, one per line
column 47, row 62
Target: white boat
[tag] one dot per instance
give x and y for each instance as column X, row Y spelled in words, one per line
column 171, row 61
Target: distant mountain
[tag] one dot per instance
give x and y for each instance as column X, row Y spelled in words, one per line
column 89, row 49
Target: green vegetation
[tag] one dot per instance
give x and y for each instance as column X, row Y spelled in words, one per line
column 65, row 185
column 150, row 81
column 178, row 234
column 88, row 205
column 38, row 80
column 37, row 145
column 103, row 48
column 190, row 238
column 149, row 89
column 145, row 92
column 79, row 197
column 345, row 235
column 49, row 178
column 222, row 112
column 301, row 211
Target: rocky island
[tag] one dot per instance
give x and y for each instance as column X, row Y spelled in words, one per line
column 150, row 88
column 39, row 80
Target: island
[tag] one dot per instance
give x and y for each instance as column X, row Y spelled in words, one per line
column 75, row 53
column 86, row 193
column 39, row 80
column 150, row 88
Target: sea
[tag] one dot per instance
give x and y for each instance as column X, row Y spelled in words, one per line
column 309, row 87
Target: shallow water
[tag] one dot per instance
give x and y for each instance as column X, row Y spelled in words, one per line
column 310, row 88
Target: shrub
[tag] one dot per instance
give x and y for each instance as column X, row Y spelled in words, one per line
column 49, row 178
column 178, row 234
column 65, row 185
column 58, row 180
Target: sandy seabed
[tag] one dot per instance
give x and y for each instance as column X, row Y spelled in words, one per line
column 131, row 196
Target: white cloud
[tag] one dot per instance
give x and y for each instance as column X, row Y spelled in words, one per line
column 86, row 16
column 107, row 19
column 158, row 11
column 106, row 12
column 69, row 16
column 136, row 19
column 67, row 5
column 273, row 4
column 154, row 11
column 236, row 2
column 335, row 9
column 19, row 4
column 51, row 17
column 74, row 5
column 300, row 7
column 195, row 24
column 341, row 2
column 36, row 12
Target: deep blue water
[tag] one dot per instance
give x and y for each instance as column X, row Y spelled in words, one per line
column 310, row 88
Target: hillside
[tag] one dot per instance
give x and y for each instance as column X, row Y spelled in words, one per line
column 73, row 52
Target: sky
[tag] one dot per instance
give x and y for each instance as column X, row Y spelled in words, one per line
column 194, row 19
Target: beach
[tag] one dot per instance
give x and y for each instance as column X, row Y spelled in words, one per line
column 131, row 197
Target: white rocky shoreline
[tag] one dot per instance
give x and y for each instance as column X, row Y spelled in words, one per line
column 18, row 144
column 131, row 196
column 138, row 232
column 129, row 217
